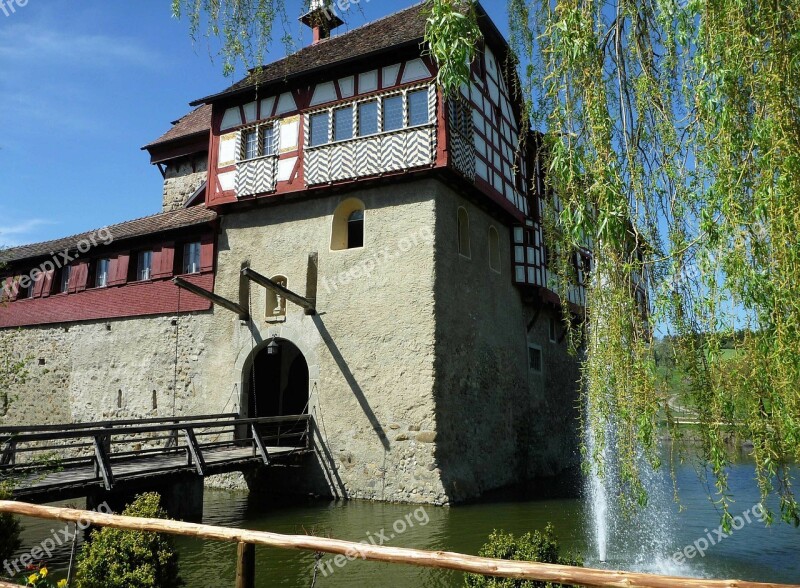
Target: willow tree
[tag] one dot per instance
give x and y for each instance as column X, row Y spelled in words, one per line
column 672, row 133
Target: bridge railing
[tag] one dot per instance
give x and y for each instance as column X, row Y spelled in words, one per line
column 115, row 449
column 248, row 540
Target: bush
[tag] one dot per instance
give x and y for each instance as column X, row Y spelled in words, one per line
column 130, row 559
column 538, row 547
column 10, row 529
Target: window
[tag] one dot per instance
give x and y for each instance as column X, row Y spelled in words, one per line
column 463, row 232
column 268, row 140
column 318, row 129
column 343, row 123
column 347, row 231
column 393, row 113
column 144, row 266
column 535, row 358
column 418, row 108
column 258, row 142
column 368, row 118
column 355, row 229
column 101, row 273
column 494, row 249
column 61, row 281
column 461, row 117
column 251, row 144
column 26, row 288
column 191, row 258
column 553, row 326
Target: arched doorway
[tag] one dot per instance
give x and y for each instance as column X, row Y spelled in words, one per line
column 277, row 381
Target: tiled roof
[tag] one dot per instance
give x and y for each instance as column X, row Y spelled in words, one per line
column 397, row 29
column 185, row 217
column 197, row 121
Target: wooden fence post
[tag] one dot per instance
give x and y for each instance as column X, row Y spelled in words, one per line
column 246, row 566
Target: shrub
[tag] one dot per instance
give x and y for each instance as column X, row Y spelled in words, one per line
column 540, row 547
column 114, row 558
column 10, row 529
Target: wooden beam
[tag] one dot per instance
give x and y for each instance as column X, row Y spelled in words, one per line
column 103, row 462
column 195, row 452
column 522, row 570
column 246, row 566
column 216, row 299
column 256, row 277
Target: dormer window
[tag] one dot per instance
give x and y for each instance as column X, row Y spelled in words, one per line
column 191, row 258
column 144, row 266
column 61, row 283
column 101, row 273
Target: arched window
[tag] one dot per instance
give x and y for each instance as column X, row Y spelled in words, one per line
column 276, row 305
column 463, row 232
column 494, row 249
column 347, row 231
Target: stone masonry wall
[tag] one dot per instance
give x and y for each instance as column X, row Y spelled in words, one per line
column 498, row 422
column 182, row 178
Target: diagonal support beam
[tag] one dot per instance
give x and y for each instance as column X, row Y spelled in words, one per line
column 216, row 299
column 256, row 277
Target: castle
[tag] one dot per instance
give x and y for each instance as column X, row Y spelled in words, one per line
column 419, row 330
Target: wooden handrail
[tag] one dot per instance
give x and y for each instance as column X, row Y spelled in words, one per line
column 594, row 578
column 172, row 425
column 119, row 423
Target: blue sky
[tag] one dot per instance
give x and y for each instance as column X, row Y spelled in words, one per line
column 83, row 85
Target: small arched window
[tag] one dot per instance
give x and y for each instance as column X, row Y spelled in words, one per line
column 276, row 304
column 463, row 232
column 494, row 249
column 347, row 231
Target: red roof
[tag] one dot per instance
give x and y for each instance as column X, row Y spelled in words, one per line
column 196, row 122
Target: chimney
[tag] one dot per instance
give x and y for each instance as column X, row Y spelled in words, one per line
column 321, row 19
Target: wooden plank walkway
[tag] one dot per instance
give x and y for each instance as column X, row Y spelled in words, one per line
column 67, row 461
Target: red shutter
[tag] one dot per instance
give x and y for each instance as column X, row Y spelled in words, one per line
column 38, row 285
column 81, row 273
column 155, row 262
column 11, row 288
column 118, row 270
column 207, row 254
column 48, row 283
column 163, row 269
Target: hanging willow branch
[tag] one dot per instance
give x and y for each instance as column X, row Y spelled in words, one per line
column 672, row 129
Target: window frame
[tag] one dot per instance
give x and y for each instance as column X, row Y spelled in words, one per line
column 185, row 248
column 263, row 148
column 531, row 367
column 59, row 286
column 356, row 103
column 96, row 276
column 139, row 267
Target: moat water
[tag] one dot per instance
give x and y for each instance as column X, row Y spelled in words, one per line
column 753, row 552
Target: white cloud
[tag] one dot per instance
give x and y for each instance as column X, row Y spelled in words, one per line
column 21, row 232
column 27, row 44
